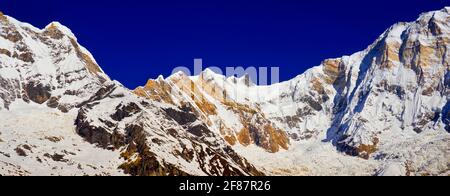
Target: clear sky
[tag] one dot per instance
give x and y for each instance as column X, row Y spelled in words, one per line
column 134, row 40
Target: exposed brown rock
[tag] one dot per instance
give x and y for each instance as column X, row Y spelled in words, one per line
column 332, row 68
column 125, row 111
column 53, row 102
column 139, row 91
column 160, row 91
column 261, row 132
column 307, row 134
column 268, row 137
column 182, row 117
column 97, row 135
column 230, row 139
column 20, row 152
column 2, row 16
column 278, row 138
column 191, row 88
column 206, row 107
column 26, row 57
column 63, row 108
column 428, row 91
column 56, row 157
column 362, row 150
column 244, row 137
column 365, row 151
column 314, row 104
column 155, row 90
column 37, row 93
column 228, row 134
column 148, row 165
column 101, row 137
column 5, row 52
column 26, row 147
column 9, row 31
column 53, row 32
column 13, row 36
column 261, row 136
column 53, row 139
column 318, row 86
column 240, row 108
column 420, row 57
column 188, row 155
column 91, row 66
column 423, row 119
column 199, row 130
column 425, row 55
column 384, row 86
column 295, row 119
column 140, row 161
column 390, row 54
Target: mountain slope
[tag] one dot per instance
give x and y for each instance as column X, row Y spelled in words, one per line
column 156, row 138
column 238, row 123
column 44, row 75
column 38, row 140
column 401, row 85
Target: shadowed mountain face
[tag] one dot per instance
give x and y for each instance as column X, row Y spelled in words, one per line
column 387, row 105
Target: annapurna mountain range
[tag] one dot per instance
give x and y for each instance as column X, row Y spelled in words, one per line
column 380, row 111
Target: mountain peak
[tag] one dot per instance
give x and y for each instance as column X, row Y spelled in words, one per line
column 208, row 73
column 447, row 9
column 440, row 15
column 160, row 78
column 56, row 26
column 59, row 71
column 2, row 16
column 178, row 75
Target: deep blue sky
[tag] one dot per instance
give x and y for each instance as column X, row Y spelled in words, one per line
column 136, row 40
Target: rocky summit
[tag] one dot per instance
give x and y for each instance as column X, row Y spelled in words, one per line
column 380, row 111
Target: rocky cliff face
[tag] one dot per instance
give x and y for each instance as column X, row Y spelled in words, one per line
column 156, row 138
column 401, row 85
column 206, row 95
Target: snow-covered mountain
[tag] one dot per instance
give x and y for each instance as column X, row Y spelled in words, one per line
column 45, row 66
column 381, row 111
column 45, row 69
column 392, row 93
